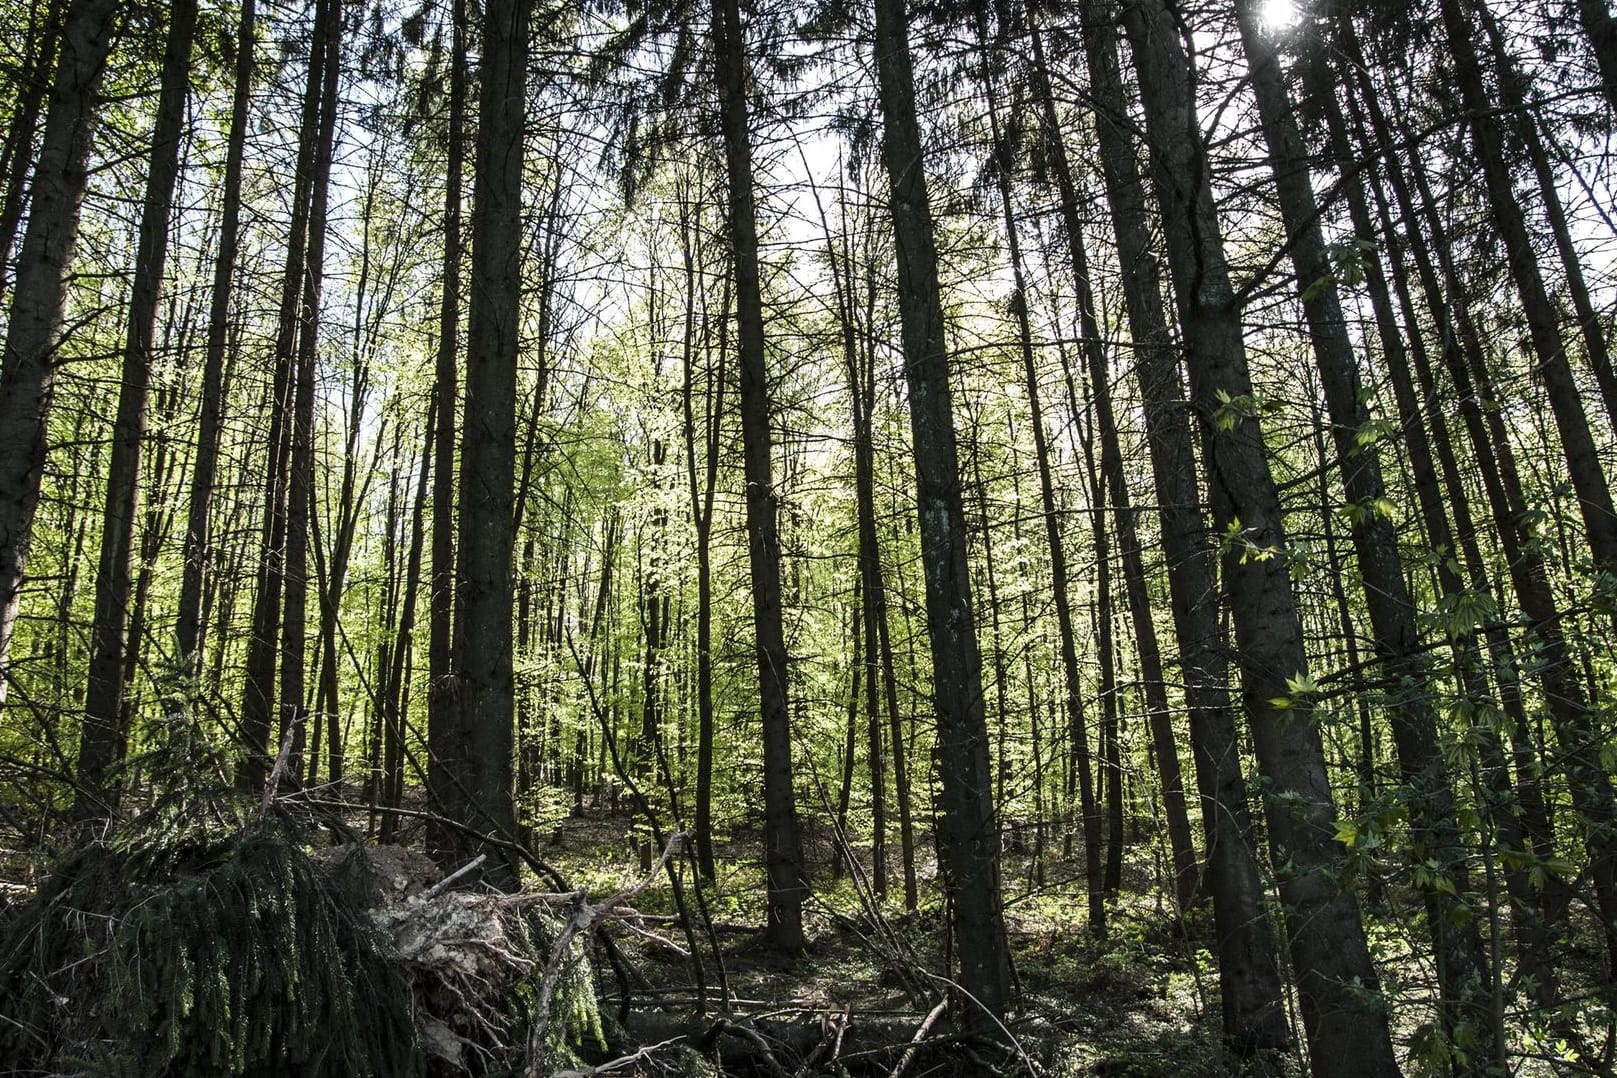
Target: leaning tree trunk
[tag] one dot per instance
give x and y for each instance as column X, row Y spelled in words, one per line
column 1249, row 974
column 1462, row 965
column 39, row 294
column 1345, row 1020
column 968, row 838
column 1543, row 325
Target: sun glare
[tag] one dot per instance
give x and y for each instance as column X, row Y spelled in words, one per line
column 1279, row 14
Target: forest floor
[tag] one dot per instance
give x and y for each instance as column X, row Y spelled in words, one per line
column 1140, row 1002
column 679, row 984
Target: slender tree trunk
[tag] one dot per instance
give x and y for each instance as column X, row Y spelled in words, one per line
column 482, row 646
column 199, row 518
column 300, row 485
column 783, row 858
column 395, row 692
column 1342, row 1013
column 968, row 837
column 44, row 37
column 1060, row 586
column 1254, row 1014
column 101, row 737
column 702, row 495
column 259, row 694
column 1582, row 458
column 444, row 750
column 39, row 295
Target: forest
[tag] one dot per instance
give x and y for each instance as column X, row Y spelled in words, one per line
column 808, row 537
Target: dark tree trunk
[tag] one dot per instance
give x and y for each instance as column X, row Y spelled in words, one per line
column 39, row 296
column 783, row 858
column 1249, row 978
column 300, row 479
column 101, row 737
column 480, row 765
column 199, row 518
column 1513, row 92
column 1582, row 458
column 443, row 733
column 1601, row 30
column 702, row 495
column 34, row 81
column 258, row 697
column 1344, row 1018
column 968, row 839
column 1462, row 964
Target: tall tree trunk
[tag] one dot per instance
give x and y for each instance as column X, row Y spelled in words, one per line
column 101, row 737
column 1582, row 458
column 482, row 648
column 1254, row 1014
column 39, row 296
column 199, row 515
column 1462, row 964
column 258, row 697
column 968, row 840
column 1060, row 585
column 701, row 495
column 443, row 734
column 43, row 39
column 783, row 858
column 1346, row 1022
column 397, row 675
column 300, row 480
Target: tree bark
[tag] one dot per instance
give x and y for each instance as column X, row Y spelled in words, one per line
column 1254, row 1014
column 443, row 733
column 968, row 839
column 101, row 738
column 783, row 858
column 482, row 652
column 39, row 295
column 1343, row 1014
